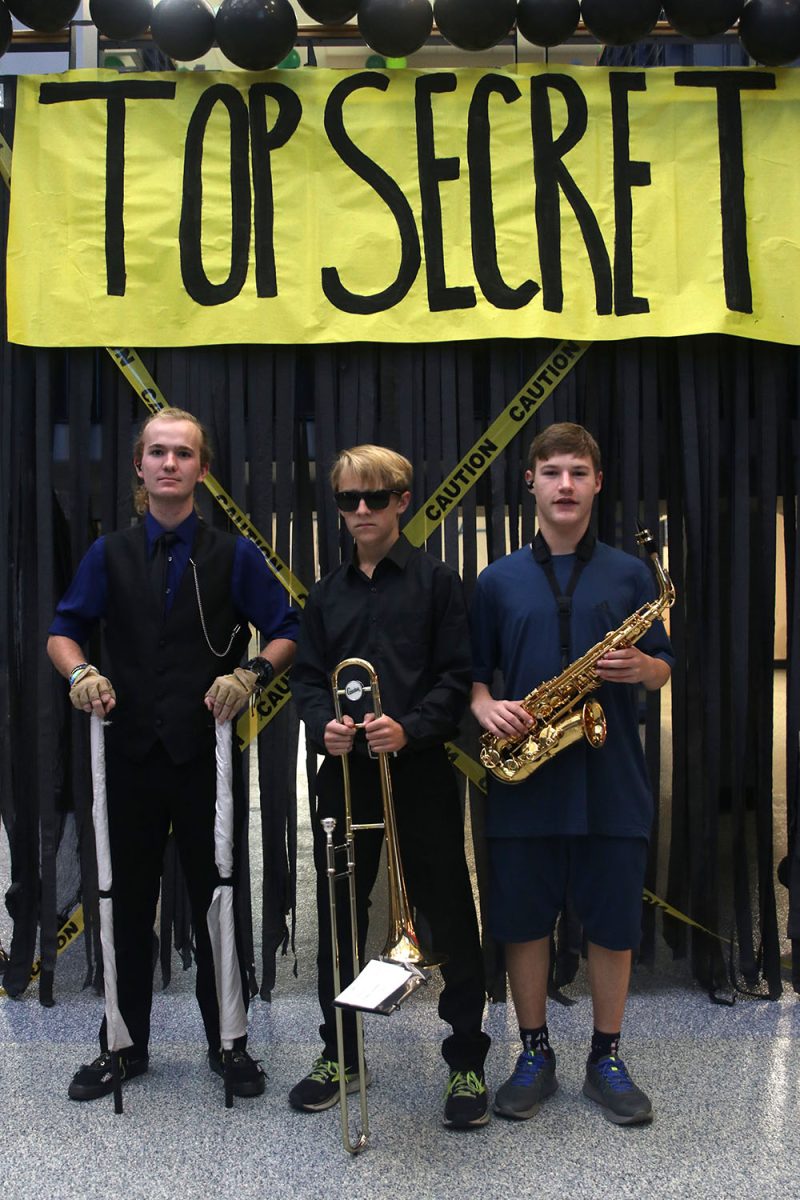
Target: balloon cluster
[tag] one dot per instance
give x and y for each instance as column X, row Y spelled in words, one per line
column 259, row 34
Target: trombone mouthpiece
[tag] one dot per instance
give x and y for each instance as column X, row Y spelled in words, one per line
column 328, row 824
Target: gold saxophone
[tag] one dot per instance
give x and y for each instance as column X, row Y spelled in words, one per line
column 560, row 717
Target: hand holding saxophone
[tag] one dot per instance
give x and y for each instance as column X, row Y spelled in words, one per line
column 503, row 718
column 631, row 665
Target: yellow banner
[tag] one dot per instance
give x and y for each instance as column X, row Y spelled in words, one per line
column 324, row 206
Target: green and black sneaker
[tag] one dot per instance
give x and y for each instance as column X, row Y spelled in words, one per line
column 466, row 1100
column 319, row 1089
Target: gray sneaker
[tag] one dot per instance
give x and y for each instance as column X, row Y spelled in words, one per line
column 534, row 1079
column 609, row 1085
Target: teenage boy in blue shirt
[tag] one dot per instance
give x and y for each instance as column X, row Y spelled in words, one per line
column 582, row 821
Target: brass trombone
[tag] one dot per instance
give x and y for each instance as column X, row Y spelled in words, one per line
column 402, row 945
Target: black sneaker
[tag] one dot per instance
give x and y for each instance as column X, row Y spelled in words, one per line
column 320, row 1088
column 609, row 1084
column 466, row 1100
column 94, row 1079
column 533, row 1080
column 248, row 1079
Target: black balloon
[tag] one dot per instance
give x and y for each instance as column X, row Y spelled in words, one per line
column 6, row 29
column 256, row 34
column 121, row 18
column 330, row 12
column 475, row 24
column 45, row 16
column 183, row 29
column 702, row 18
column 395, row 28
column 620, row 22
column 548, row 22
column 770, row 31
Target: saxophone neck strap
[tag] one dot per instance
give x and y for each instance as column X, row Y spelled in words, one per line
column 583, row 552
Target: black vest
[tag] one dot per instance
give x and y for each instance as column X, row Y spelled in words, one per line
column 162, row 667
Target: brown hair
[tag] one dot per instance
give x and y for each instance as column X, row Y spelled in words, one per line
column 169, row 413
column 564, row 438
column 375, row 466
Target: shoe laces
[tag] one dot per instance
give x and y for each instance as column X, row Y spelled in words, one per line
column 326, row 1070
column 614, row 1073
column 529, row 1064
column 465, row 1083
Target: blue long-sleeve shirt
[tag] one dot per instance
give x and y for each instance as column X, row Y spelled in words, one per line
column 256, row 593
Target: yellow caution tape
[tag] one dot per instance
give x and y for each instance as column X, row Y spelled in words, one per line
column 467, row 766
column 486, row 450
column 256, row 716
column 651, row 898
column 5, row 161
column 69, row 931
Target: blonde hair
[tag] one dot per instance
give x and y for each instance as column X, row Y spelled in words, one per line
column 374, row 466
column 564, row 438
column 140, row 497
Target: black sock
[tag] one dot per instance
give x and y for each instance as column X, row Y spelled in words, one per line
column 536, row 1039
column 603, row 1044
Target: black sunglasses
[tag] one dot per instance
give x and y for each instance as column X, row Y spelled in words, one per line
column 349, row 501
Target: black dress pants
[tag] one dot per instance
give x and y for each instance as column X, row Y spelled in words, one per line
column 145, row 799
column 430, row 832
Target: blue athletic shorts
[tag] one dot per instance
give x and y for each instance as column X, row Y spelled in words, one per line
column 530, row 877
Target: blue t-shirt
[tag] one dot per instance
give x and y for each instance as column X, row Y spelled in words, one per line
column 515, row 631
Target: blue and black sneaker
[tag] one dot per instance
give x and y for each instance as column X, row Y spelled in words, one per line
column 609, row 1085
column 534, row 1079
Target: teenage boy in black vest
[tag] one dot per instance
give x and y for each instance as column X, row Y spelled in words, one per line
column 175, row 598
column 402, row 610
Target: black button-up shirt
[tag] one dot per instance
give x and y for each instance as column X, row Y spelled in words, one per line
column 409, row 620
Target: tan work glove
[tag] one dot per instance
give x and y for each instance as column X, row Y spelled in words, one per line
column 229, row 693
column 88, row 690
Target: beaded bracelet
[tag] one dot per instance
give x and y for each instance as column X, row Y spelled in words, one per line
column 78, row 671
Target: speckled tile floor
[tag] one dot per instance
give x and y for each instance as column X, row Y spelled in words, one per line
column 725, row 1084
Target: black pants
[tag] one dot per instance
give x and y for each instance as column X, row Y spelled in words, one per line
column 430, row 832
column 145, row 799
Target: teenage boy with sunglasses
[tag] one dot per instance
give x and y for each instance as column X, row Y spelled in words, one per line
column 403, row 611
